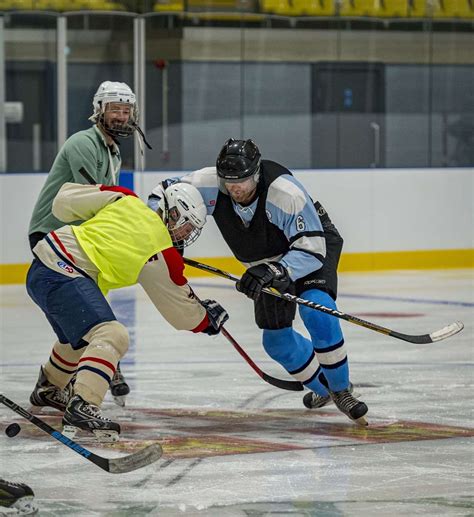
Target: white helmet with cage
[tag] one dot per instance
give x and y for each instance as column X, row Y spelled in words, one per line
column 184, row 213
column 116, row 93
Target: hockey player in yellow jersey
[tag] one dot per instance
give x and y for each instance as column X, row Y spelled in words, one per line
column 122, row 242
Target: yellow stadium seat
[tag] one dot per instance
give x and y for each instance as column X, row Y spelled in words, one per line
column 75, row 5
column 108, row 5
column 275, row 7
column 50, row 5
column 169, row 5
column 214, row 5
column 313, row 7
column 325, row 8
column 418, row 9
column 355, row 8
column 18, row 5
column 394, row 9
column 452, row 9
column 91, row 5
column 299, row 7
column 197, row 5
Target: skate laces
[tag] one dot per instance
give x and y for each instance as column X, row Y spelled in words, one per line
column 346, row 400
column 56, row 394
column 94, row 412
column 61, row 396
column 319, row 399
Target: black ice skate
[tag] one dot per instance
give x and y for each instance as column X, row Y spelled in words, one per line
column 350, row 406
column 118, row 387
column 80, row 415
column 16, row 499
column 47, row 394
column 313, row 401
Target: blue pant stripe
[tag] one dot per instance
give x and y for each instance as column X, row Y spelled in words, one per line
column 316, row 373
column 95, row 370
column 298, row 370
column 69, row 372
column 335, row 365
column 330, row 348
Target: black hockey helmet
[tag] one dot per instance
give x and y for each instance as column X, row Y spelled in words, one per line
column 238, row 160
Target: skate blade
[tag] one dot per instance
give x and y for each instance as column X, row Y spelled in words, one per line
column 69, row 431
column 361, row 421
column 106, row 436
column 24, row 506
column 120, row 400
column 100, row 435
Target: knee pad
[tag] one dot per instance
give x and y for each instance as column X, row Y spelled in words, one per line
column 110, row 336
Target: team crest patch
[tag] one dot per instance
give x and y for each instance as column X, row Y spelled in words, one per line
column 65, row 266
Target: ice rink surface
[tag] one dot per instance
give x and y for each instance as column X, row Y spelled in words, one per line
column 236, row 446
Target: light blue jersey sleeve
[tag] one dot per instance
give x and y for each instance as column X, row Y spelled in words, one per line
column 288, row 206
column 205, row 180
column 291, row 209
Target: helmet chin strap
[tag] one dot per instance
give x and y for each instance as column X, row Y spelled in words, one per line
column 165, row 202
column 134, row 125
column 138, row 128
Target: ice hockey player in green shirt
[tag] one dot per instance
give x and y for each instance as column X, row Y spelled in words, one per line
column 89, row 156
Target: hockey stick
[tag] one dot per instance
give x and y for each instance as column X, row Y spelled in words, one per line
column 438, row 335
column 134, row 461
column 279, row 383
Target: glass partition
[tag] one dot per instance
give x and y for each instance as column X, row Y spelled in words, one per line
column 30, row 91
column 99, row 48
column 324, row 84
column 452, row 100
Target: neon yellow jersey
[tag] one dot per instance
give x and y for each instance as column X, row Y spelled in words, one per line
column 120, row 239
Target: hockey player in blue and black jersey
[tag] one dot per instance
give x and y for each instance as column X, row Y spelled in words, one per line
column 288, row 242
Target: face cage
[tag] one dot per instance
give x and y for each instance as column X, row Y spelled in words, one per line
column 182, row 243
column 120, row 130
column 176, row 231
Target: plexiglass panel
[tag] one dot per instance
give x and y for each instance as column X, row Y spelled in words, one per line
column 323, row 84
column 30, row 91
column 99, row 48
column 452, row 99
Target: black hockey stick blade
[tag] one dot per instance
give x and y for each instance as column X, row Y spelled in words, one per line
column 438, row 335
column 128, row 463
column 279, row 383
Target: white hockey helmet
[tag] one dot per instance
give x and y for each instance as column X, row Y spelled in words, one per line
column 117, row 93
column 184, row 213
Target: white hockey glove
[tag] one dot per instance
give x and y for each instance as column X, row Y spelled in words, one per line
column 217, row 316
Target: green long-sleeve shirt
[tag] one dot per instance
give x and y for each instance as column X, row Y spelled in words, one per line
column 85, row 149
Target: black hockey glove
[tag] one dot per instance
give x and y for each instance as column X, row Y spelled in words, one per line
column 257, row 277
column 217, row 316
